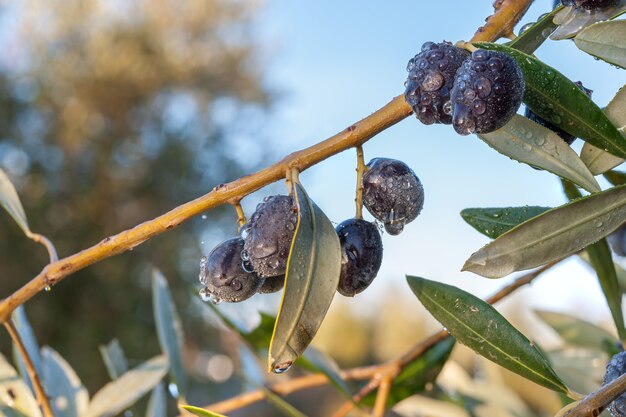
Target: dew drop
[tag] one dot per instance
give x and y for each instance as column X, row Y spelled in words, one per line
column 47, row 288
column 280, row 368
column 247, row 266
column 245, row 255
column 540, row 140
column 273, row 263
column 526, row 27
column 173, row 389
column 205, row 295
column 433, row 81
column 447, row 108
column 204, row 217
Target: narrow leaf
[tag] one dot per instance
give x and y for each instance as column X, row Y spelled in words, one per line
column 27, row 335
column 552, row 235
column 533, row 37
column 68, row 396
column 492, row 222
column 536, row 145
column 558, row 100
column 572, row 20
column 281, row 405
column 200, row 412
column 157, row 405
column 479, row 326
column 114, row 359
column 577, row 332
column 596, row 159
column 605, row 40
column 16, row 398
column 311, row 282
column 415, row 377
column 169, row 329
column 11, row 202
column 120, row 394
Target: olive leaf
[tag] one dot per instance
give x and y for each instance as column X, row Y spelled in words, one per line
column 317, row 361
column 605, row 40
column 572, row 20
column 200, row 412
column 310, row 283
column 169, row 329
column 11, row 202
column 17, row 399
column 615, row 177
column 577, row 332
column 597, row 160
column 157, row 404
column 24, row 329
column 552, row 235
column 114, row 358
column 281, row 405
column 558, row 100
column 68, row 396
column 536, row 145
column 492, row 222
column 532, row 38
column 478, row 325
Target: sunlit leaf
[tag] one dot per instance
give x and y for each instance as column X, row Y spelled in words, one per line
column 596, row 159
column 317, row 361
column 27, row 335
column 16, row 398
column 200, row 412
column 536, row 145
column 533, row 37
column 418, row 374
column 310, row 284
column 552, row 235
column 114, row 358
column 68, row 396
column 606, row 40
column 577, row 332
column 281, row 405
column 494, row 221
column 157, row 405
column 479, row 326
column 169, row 329
column 11, row 202
column 123, row 392
column 572, row 20
column 558, row 100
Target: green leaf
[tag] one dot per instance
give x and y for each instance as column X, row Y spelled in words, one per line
column 418, row 374
column 169, row 329
column 494, row 221
column 552, row 235
column 558, row 100
column 16, row 399
column 200, row 412
column 615, row 177
column 317, row 361
column 27, row 335
column 120, row 394
column 572, row 20
column 605, row 40
column 281, row 405
column 533, row 37
column 11, row 202
column 310, row 283
column 479, row 326
column 536, row 145
column 598, row 160
column 114, row 358
column 577, row 332
column 157, row 405
column 68, row 396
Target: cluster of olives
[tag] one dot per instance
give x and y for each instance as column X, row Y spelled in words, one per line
column 256, row 262
column 614, row 369
column 476, row 93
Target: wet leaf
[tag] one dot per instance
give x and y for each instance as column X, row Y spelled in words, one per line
column 552, row 235
column 200, row 412
column 11, row 202
column 596, row 159
column 310, row 284
column 169, row 329
column 577, row 332
column 157, row 405
column 123, row 392
column 536, row 145
column 533, row 37
column 27, row 335
column 494, row 221
column 605, row 40
column 479, row 326
column 114, row 358
column 572, row 20
column 558, row 100
column 418, row 374
column 281, row 405
column 68, row 396
column 16, row 398
column 317, row 361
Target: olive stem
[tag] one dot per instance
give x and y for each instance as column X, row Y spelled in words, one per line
column 52, row 251
column 241, row 216
column 382, row 395
column 42, row 398
column 360, row 170
column 594, row 403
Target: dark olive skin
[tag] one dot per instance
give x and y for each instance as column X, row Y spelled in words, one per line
column 361, row 255
column 617, row 240
column 269, row 234
column 392, row 193
column 223, row 275
column 616, row 368
column 272, row 284
column 430, row 80
column 488, row 91
column 589, row 4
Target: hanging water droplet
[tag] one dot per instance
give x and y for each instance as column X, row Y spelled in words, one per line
column 244, row 232
column 173, row 389
column 215, row 300
column 205, row 295
column 279, row 368
column 204, row 217
column 273, row 263
column 525, row 27
column 47, row 288
column 245, row 255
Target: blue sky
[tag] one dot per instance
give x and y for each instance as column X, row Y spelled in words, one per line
column 337, row 62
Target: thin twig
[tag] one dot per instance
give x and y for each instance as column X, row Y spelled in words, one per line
column 241, row 216
column 40, row 393
column 52, row 251
column 381, row 396
column 360, row 170
column 594, row 403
